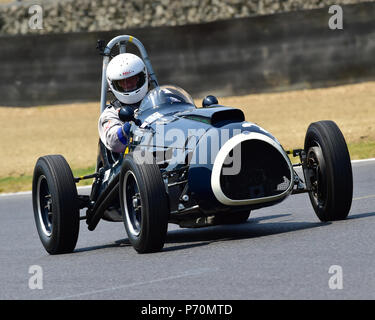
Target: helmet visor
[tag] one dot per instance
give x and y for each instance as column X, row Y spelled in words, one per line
column 130, row 84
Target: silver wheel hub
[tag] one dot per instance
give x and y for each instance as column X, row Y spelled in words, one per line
column 135, row 202
column 44, row 204
column 132, row 203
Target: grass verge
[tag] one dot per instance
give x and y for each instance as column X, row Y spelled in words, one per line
column 24, row 182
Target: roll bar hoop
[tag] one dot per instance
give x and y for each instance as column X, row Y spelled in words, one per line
column 106, row 53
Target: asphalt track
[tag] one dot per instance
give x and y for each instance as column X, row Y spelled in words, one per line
column 282, row 252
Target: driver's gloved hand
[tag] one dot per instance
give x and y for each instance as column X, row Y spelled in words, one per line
column 123, row 133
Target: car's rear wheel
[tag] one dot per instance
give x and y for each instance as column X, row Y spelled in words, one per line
column 329, row 171
column 144, row 203
column 55, row 204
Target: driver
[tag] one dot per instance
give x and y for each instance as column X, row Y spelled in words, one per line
column 128, row 80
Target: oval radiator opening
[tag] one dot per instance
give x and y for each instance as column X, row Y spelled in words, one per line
column 263, row 172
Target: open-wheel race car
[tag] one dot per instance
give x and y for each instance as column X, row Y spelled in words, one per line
column 191, row 166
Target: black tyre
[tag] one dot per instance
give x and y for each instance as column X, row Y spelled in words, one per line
column 234, row 218
column 55, row 204
column 330, row 171
column 144, row 203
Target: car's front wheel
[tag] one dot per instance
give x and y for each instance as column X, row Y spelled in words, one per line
column 144, row 203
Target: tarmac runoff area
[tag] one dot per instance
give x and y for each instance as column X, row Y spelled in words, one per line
column 281, row 252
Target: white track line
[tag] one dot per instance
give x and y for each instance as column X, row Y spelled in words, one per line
column 363, row 160
column 29, row 192
column 136, row 284
column 87, row 187
column 365, row 197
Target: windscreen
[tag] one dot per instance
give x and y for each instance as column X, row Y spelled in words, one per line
column 165, row 96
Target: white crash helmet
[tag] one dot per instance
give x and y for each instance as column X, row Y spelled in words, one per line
column 127, row 78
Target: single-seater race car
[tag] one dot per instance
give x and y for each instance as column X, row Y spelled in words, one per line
column 191, row 166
